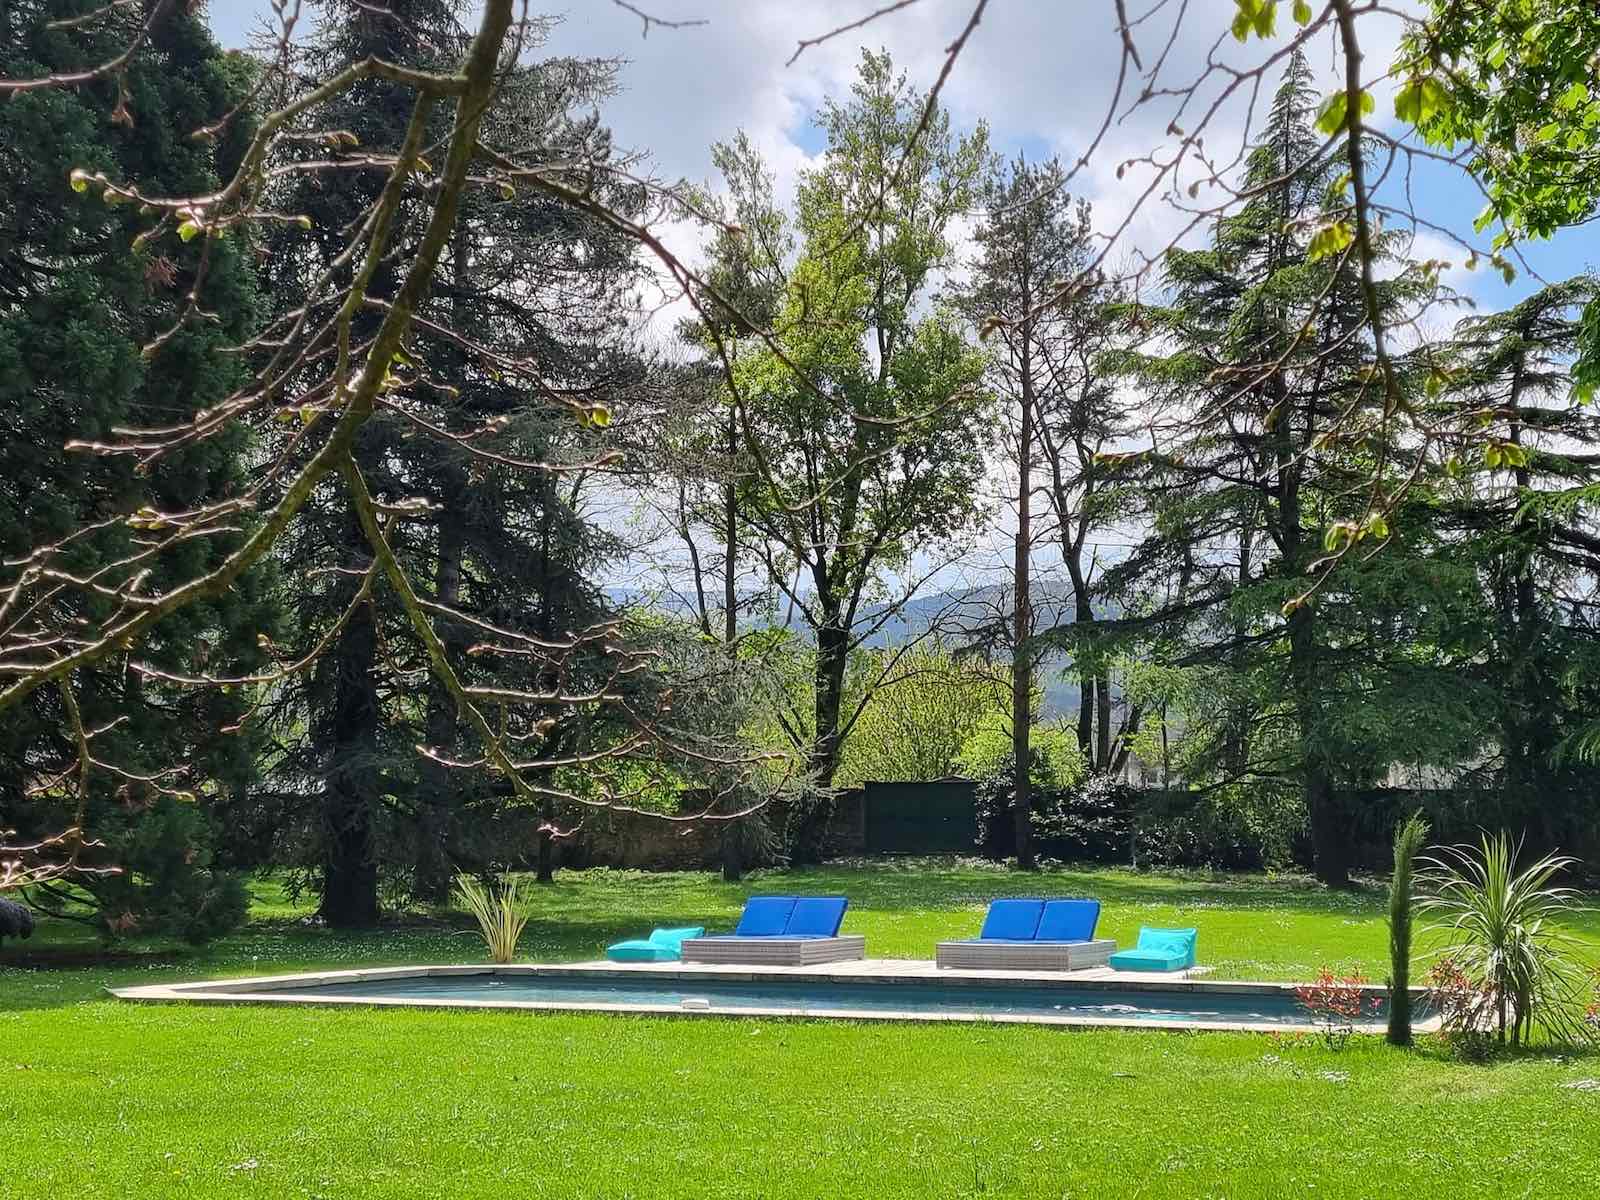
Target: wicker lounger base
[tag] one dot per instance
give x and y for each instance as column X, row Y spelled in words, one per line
column 1025, row 956
column 774, row 951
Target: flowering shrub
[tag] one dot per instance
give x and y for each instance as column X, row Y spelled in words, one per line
column 1591, row 1014
column 1465, row 1008
column 1337, row 1002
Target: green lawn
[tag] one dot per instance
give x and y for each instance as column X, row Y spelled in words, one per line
column 100, row 1098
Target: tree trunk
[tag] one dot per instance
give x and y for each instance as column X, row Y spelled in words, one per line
column 350, row 868
column 547, row 846
column 436, row 797
column 1022, row 628
column 833, row 640
column 730, row 537
column 1330, row 834
column 1102, row 722
column 732, row 854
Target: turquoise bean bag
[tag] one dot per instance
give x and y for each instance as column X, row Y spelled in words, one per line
column 1159, row 950
column 663, row 945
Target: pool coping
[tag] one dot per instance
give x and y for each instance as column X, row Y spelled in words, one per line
column 286, row 989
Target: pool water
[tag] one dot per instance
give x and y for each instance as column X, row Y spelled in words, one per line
column 817, row 997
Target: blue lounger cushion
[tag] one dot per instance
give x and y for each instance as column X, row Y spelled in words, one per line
column 816, row 916
column 663, row 945
column 1011, row 921
column 765, row 916
column 1159, row 950
column 1068, row 921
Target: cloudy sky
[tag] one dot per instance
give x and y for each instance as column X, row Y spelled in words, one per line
column 1039, row 72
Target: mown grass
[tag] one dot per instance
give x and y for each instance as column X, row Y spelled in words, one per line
column 100, row 1098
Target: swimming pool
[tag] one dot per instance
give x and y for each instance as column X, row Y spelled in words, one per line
column 906, row 997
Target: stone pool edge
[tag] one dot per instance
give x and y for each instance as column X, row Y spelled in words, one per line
column 284, row 990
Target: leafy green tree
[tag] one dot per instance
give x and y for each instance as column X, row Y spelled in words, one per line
column 915, row 724
column 1033, row 239
column 1516, row 82
column 78, row 308
column 1270, row 436
column 865, row 423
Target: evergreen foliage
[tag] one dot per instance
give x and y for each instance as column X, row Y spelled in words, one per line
column 77, row 307
column 349, row 801
column 1276, row 457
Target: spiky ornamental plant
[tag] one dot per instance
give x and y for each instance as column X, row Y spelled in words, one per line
column 501, row 912
column 1503, row 932
column 1408, row 839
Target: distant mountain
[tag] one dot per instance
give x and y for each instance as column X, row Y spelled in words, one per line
column 957, row 616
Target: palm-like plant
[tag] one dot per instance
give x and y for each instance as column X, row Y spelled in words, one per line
column 501, row 913
column 1503, row 932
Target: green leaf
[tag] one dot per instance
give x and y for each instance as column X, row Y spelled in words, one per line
column 188, row 231
column 1331, row 239
column 600, row 415
column 1408, row 102
column 1330, row 117
column 79, row 179
column 1436, row 98
column 1302, row 12
column 1572, row 97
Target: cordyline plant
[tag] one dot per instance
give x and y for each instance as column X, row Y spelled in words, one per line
column 360, row 341
column 1512, row 964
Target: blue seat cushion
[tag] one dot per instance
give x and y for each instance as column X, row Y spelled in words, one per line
column 642, row 950
column 1159, row 950
column 1068, row 920
column 1181, row 942
column 1011, row 920
column 816, row 916
column 1147, row 960
column 676, row 937
column 764, row 916
column 663, row 945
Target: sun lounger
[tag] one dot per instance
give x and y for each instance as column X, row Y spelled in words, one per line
column 1159, row 950
column 663, row 945
column 1032, row 935
column 791, row 931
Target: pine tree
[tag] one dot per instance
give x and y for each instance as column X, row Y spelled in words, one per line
column 528, row 280
column 1520, row 453
column 1270, row 435
column 1035, row 239
column 76, row 309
